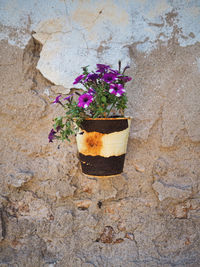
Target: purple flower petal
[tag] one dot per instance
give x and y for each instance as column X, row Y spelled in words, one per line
column 57, row 99
column 51, row 135
column 102, row 68
column 91, row 77
column 109, row 77
column 68, row 98
column 91, row 91
column 116, row 89
column 78, row 79
column 85, row 100
column 115, row 71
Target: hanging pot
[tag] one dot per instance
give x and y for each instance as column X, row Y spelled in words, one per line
column 102, row 144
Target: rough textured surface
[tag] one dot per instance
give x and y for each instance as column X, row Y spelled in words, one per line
column 50, row 213
column 93, row 29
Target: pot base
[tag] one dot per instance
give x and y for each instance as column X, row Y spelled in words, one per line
column 101, row 177
column 102, row 166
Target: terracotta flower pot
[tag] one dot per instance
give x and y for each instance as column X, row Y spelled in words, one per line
column 102, row 144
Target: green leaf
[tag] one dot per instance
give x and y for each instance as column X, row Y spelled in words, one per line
column 103, row 99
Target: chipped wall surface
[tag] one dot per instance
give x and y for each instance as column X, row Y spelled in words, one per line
column 95, row 29
column 50, row 213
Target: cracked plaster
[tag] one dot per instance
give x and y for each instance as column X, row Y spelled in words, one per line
column 95, row 30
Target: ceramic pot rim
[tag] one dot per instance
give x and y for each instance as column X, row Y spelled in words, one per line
column 117, row 118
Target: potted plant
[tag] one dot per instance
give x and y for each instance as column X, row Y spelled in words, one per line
column 96, row 116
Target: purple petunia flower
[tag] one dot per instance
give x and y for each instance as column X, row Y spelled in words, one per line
column 109, row 77
column 78, row 79
column 102, row 68
column 91, row 91
column 51, row 135
column 85, row 100
column 91, row 77
column 116, row 89
column 68, row 98
column 57, row 100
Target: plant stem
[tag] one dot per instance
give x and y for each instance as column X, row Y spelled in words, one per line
column 111, row 108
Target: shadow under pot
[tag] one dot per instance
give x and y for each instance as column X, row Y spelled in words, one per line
column 102, row 144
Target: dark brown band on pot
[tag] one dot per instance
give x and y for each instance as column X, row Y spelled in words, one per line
column 104, row 126
column 100, row 166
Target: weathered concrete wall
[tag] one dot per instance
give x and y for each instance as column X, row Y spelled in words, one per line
column 52, row 215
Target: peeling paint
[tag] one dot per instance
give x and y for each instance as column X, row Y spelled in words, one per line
column 96, row 30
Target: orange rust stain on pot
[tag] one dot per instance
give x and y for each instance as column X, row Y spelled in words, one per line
column 93, row 143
